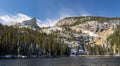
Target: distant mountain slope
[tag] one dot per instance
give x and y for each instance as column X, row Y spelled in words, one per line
column 71, row 21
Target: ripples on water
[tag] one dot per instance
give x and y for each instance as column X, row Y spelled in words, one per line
column 63, row 61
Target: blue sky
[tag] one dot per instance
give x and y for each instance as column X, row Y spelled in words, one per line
column 53, row 9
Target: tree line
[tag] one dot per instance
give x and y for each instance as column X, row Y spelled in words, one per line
column 24, row 41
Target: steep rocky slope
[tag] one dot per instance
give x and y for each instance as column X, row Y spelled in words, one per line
column 83, row 34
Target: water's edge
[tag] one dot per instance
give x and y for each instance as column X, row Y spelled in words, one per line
column 64, row 61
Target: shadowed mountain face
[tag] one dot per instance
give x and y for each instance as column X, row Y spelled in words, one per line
column 29, row 23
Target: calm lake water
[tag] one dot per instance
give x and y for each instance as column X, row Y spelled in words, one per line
column 63, row 61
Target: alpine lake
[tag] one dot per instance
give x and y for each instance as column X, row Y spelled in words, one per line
column 63, row 61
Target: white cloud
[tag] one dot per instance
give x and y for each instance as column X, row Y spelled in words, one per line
column 65, row 12
column 84, row 12
column 51, row 22
column 71, row 13
column 48, row 22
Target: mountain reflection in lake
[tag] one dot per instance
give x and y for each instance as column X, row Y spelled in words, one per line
column 63, row 61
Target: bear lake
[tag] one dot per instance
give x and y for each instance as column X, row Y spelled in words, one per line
column 64, row 61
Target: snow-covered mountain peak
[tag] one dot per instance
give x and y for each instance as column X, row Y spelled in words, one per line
column 14, row 19
column 22, row 17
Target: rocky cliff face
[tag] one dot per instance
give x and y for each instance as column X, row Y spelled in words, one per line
column 32, row 23
column 66, row 21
